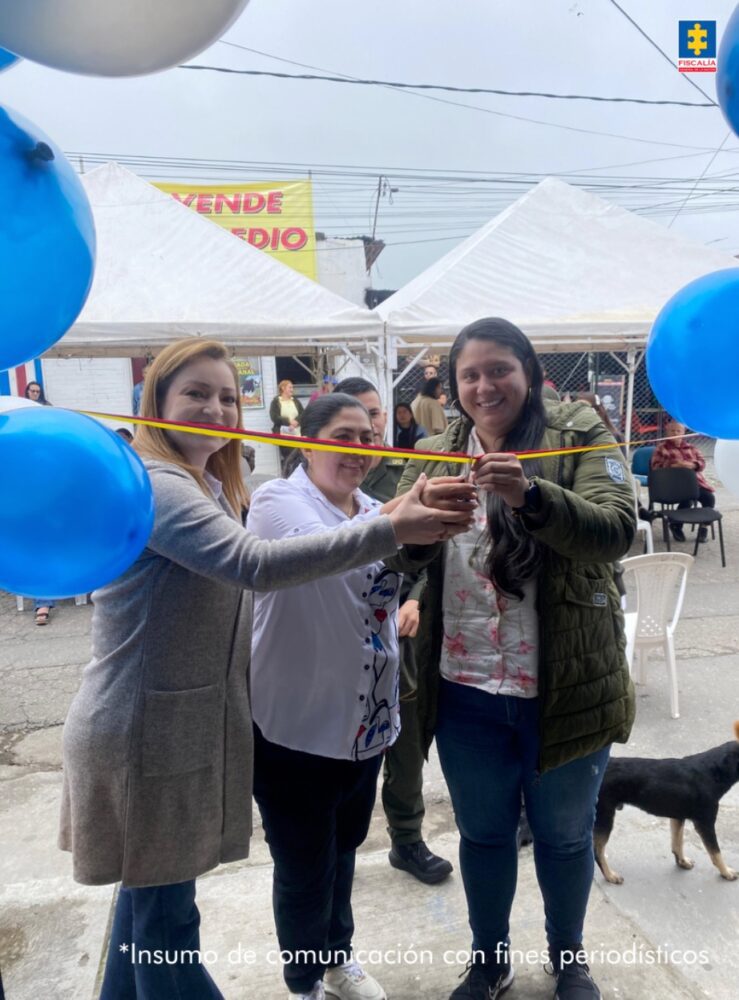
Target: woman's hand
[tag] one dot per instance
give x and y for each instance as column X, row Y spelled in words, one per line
column 293, row 423
column 450, row 493
column 416, row 524
column 502, row 473
column 409, row 619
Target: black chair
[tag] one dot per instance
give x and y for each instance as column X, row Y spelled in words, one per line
column 669, row 487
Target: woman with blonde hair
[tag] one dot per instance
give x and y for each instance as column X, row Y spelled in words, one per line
column 285, row 412
column 157, row 742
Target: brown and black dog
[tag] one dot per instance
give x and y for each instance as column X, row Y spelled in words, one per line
column 679, row 788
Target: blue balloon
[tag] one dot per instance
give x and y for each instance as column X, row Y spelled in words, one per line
column 47, row 242
column 727, row 72
column 693, row 354
column 76, row 507
column 7, row 59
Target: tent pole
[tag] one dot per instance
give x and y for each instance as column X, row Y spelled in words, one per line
column 411, row 364
column 631, row 364
column 388, row 360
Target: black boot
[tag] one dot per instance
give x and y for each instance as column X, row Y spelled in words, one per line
column 677, row 532
column 574, row 981
column 419, row 861
column 483, row 982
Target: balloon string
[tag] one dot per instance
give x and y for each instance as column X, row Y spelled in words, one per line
column 375, row 451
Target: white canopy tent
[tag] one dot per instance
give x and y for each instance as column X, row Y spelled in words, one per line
column 164, row 272
column 575, row 272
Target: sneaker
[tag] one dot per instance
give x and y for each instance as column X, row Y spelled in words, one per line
column 703, row 533
column 677, row 533
column 574, row 981
column 317, row 993
column 483, row 982
column 351, row 982
column 419, row 861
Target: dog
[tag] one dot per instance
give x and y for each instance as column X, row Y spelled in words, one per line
column 679, row 788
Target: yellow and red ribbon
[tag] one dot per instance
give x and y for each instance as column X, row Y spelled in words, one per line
column 375, row 451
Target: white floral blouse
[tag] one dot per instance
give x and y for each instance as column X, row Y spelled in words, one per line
column 491, row 641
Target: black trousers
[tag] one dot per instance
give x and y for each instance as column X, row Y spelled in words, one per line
column 316, row 812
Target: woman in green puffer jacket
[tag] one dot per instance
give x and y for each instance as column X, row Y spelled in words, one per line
column 523, row 678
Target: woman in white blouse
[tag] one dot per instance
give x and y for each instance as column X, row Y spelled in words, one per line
column 323, row 719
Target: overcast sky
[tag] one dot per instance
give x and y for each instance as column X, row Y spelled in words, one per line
column 560, row 46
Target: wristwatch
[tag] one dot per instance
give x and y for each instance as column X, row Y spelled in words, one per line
column 531, row 500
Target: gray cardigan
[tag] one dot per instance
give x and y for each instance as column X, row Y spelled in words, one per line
column 157, row 742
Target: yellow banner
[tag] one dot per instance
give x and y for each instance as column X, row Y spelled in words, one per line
column 275, row 217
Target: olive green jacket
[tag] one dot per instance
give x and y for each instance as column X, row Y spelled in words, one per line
column 587, row 521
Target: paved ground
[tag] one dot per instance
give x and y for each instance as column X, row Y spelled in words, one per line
column 664, row 933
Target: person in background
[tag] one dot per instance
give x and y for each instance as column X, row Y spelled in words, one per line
column 138, row 390
column 249, row 455
column 427, row 408
column 158, row 740
column 35, row 392
column 41, row 605
column 402, row 785
column 407, row 431
column 677, row 453
column 124, row 432
column 327, row 386
column 523, row 676
column 432, row 371
column 285, row 412
column 324, row 689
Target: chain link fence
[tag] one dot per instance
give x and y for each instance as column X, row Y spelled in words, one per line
column 603, row 373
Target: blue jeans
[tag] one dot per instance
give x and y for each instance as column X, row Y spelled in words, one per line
column 42, row 602
column 489, row 747
column 162, row 922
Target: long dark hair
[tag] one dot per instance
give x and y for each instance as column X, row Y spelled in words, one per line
column 42, row 400
column 315, row 416
column 430, row 387
column 514, row 555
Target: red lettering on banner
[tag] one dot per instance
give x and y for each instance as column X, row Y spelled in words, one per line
column 258, row 238
column 184, row 199
column 234, row 203
column 274, row 203
column 253, row 203
column 294, row 239
column 273, row 239
column 204, row 204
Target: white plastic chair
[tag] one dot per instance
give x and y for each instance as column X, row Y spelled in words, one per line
column 661, row 579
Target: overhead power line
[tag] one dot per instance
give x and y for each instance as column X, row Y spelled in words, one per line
column 642, row 32
column 448, row 88
column 424, row 96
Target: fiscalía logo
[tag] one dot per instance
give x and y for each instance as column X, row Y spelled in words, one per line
column 697, row 47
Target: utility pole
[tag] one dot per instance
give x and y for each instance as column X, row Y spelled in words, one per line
column 380, row 185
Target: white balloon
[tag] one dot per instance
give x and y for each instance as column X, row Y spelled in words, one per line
column 726, row 460
column 114, row 37
column 8, row 403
